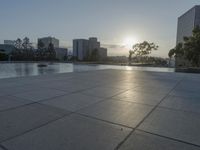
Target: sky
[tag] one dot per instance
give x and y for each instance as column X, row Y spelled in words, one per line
column 116, row 23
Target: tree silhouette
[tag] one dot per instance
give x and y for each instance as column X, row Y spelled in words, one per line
column 51, row 53
column 189, row 49
column 142, row 49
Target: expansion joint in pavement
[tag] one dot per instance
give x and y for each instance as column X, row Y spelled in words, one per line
column 156, row 106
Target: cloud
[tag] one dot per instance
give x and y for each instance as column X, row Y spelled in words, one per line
column 113, row 46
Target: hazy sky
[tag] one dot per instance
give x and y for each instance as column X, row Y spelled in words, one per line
column 112, row 21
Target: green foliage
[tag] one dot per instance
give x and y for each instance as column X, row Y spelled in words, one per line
column 51, row 53
column 24, row 51
column 150, row 60
column 142, row 49
column 177, row 51
column 3, row 57
column 189, row 49
column 94, row 55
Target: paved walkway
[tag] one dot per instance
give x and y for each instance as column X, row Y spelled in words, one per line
column 101, row 110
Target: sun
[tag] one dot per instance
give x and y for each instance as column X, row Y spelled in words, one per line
column 129, row 42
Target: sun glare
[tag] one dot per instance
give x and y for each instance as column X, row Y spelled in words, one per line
column 129, row 42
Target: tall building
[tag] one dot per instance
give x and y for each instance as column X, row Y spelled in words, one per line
column 83, row 48
column 80, row 49
column 47, row 40
column 186, row 23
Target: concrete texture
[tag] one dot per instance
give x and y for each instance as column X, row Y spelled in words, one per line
column 104, row 109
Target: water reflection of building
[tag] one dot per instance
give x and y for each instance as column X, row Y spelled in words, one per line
column 83, row 49
column 186, row 23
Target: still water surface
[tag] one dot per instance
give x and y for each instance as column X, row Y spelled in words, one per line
column 9, row 70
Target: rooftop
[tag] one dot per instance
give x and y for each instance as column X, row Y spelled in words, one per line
column 101, row 110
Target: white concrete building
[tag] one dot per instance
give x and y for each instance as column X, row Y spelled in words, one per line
column 80, row 49
column 187, row 22
column 47, row 40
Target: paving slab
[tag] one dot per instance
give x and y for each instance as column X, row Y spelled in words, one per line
column 71, row 133
column 72, row 102
column 68, row 85
column 189, row 85
column 153, row 89
column 120, row 112
column 18, row 89
column 144, row 141
column 185, row 93
column 8, row 102
column 43, row 94
column 140, row 97
column 22, row 119
column 182, row 103
column 103, row 92
column 174, row 124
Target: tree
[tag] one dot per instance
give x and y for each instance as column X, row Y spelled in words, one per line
column 3, row 56
column 40, row 53
column 177, row 51
column 24, row 50
column 192, row 47
column 18, row 44
column 94, row 55
column 189, row 49
column 142, row 49
column 51, row 53
column 27, row 49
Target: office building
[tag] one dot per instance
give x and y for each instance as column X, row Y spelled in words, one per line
column 186, row 23
column 80, row 49
column 83, row 48
column 47, row 40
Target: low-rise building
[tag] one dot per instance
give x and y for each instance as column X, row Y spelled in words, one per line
column 6, row 48
column 9, row 42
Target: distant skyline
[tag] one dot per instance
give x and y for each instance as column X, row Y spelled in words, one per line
column 115, row 23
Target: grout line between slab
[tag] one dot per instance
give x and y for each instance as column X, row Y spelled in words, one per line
column 179, row 110
column 3, row 147
column 94, row 118
column 125, row 139
column 166, row 137
column 42, row 125
column 59, row 119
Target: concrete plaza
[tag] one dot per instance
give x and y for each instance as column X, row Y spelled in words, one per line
column 101, row 110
